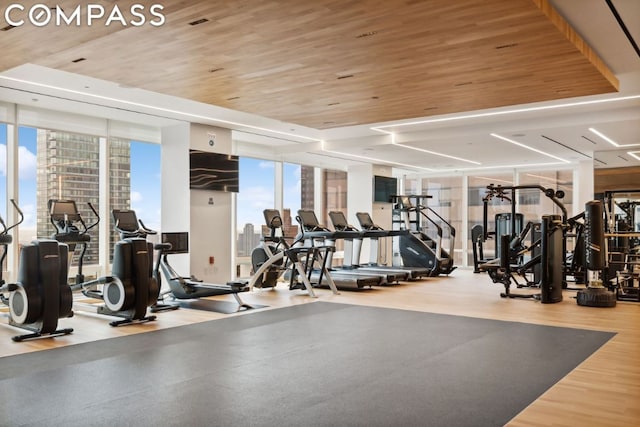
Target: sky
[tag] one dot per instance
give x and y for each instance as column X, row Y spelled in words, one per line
column 257, row 189
column 145, row 183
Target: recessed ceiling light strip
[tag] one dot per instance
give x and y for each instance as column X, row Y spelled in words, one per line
column 611, row 141
column 357, row 156
column 165, row 110
column 479, row 168
column 436, row 154
column 502, row 113
column 493, row 179
column 634, row 154
column 519, row 144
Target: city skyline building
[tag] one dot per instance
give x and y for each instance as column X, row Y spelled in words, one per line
column 68, row 167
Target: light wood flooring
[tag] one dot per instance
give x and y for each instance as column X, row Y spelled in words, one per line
column 603, row 391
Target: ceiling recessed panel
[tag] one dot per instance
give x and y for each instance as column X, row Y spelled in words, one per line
column 327, row 64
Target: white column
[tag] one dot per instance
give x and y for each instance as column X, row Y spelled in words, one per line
column 465, row 221
column 279, row 187
column 583, row 185
column 174, row 184
column 211, row 213
column 12, row 193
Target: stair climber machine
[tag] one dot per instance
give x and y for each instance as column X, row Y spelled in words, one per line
column 315, row 235
column 41, row 294
column 418, row 248
column 352, row 258
column 275, row 258
column 374, row 233
column 131, row 288
column 180, row 287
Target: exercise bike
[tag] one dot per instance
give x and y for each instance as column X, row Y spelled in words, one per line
column 41, row 294
column 131, row 288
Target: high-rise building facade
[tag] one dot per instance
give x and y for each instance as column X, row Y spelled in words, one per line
column 68, row 168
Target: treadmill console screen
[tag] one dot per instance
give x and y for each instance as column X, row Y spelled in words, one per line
column 308, row 218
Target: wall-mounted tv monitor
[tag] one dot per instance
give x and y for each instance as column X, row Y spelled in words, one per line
column 213, row 171
column 383, row 188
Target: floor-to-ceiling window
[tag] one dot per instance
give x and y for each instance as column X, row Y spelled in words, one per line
column 532, row 203
column 334, row 193
column 307, row 187
column 477, row 190
column 58, row 165
column 27, row 173
column 257, row 192
column 334, row 199
column 446, row 202
column 134, row 183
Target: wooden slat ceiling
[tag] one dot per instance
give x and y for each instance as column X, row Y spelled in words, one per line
column 330, row 63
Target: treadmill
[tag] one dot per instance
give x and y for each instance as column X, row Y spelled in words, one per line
column 312, row 233
column 375, row 232
column 354, row 248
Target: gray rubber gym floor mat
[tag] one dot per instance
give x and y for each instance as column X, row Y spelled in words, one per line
column 316, row 364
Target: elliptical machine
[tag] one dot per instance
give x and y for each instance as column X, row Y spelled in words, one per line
column 275, row 256
column 41, row 294
column 131, row 288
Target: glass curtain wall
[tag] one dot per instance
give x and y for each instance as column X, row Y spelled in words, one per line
column 307, row 187
column 477, row 190
column 334, row 194
column 334, row 199
column 57, row 165
column 533, row 204
column 257, row 192
column 411, row 186
column 446, row 201
column 134, row 183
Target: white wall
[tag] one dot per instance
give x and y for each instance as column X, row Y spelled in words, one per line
column 381, row 212
column 360, row 199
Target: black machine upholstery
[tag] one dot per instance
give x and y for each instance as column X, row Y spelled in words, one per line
column 42, row 294
column 131, row 288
